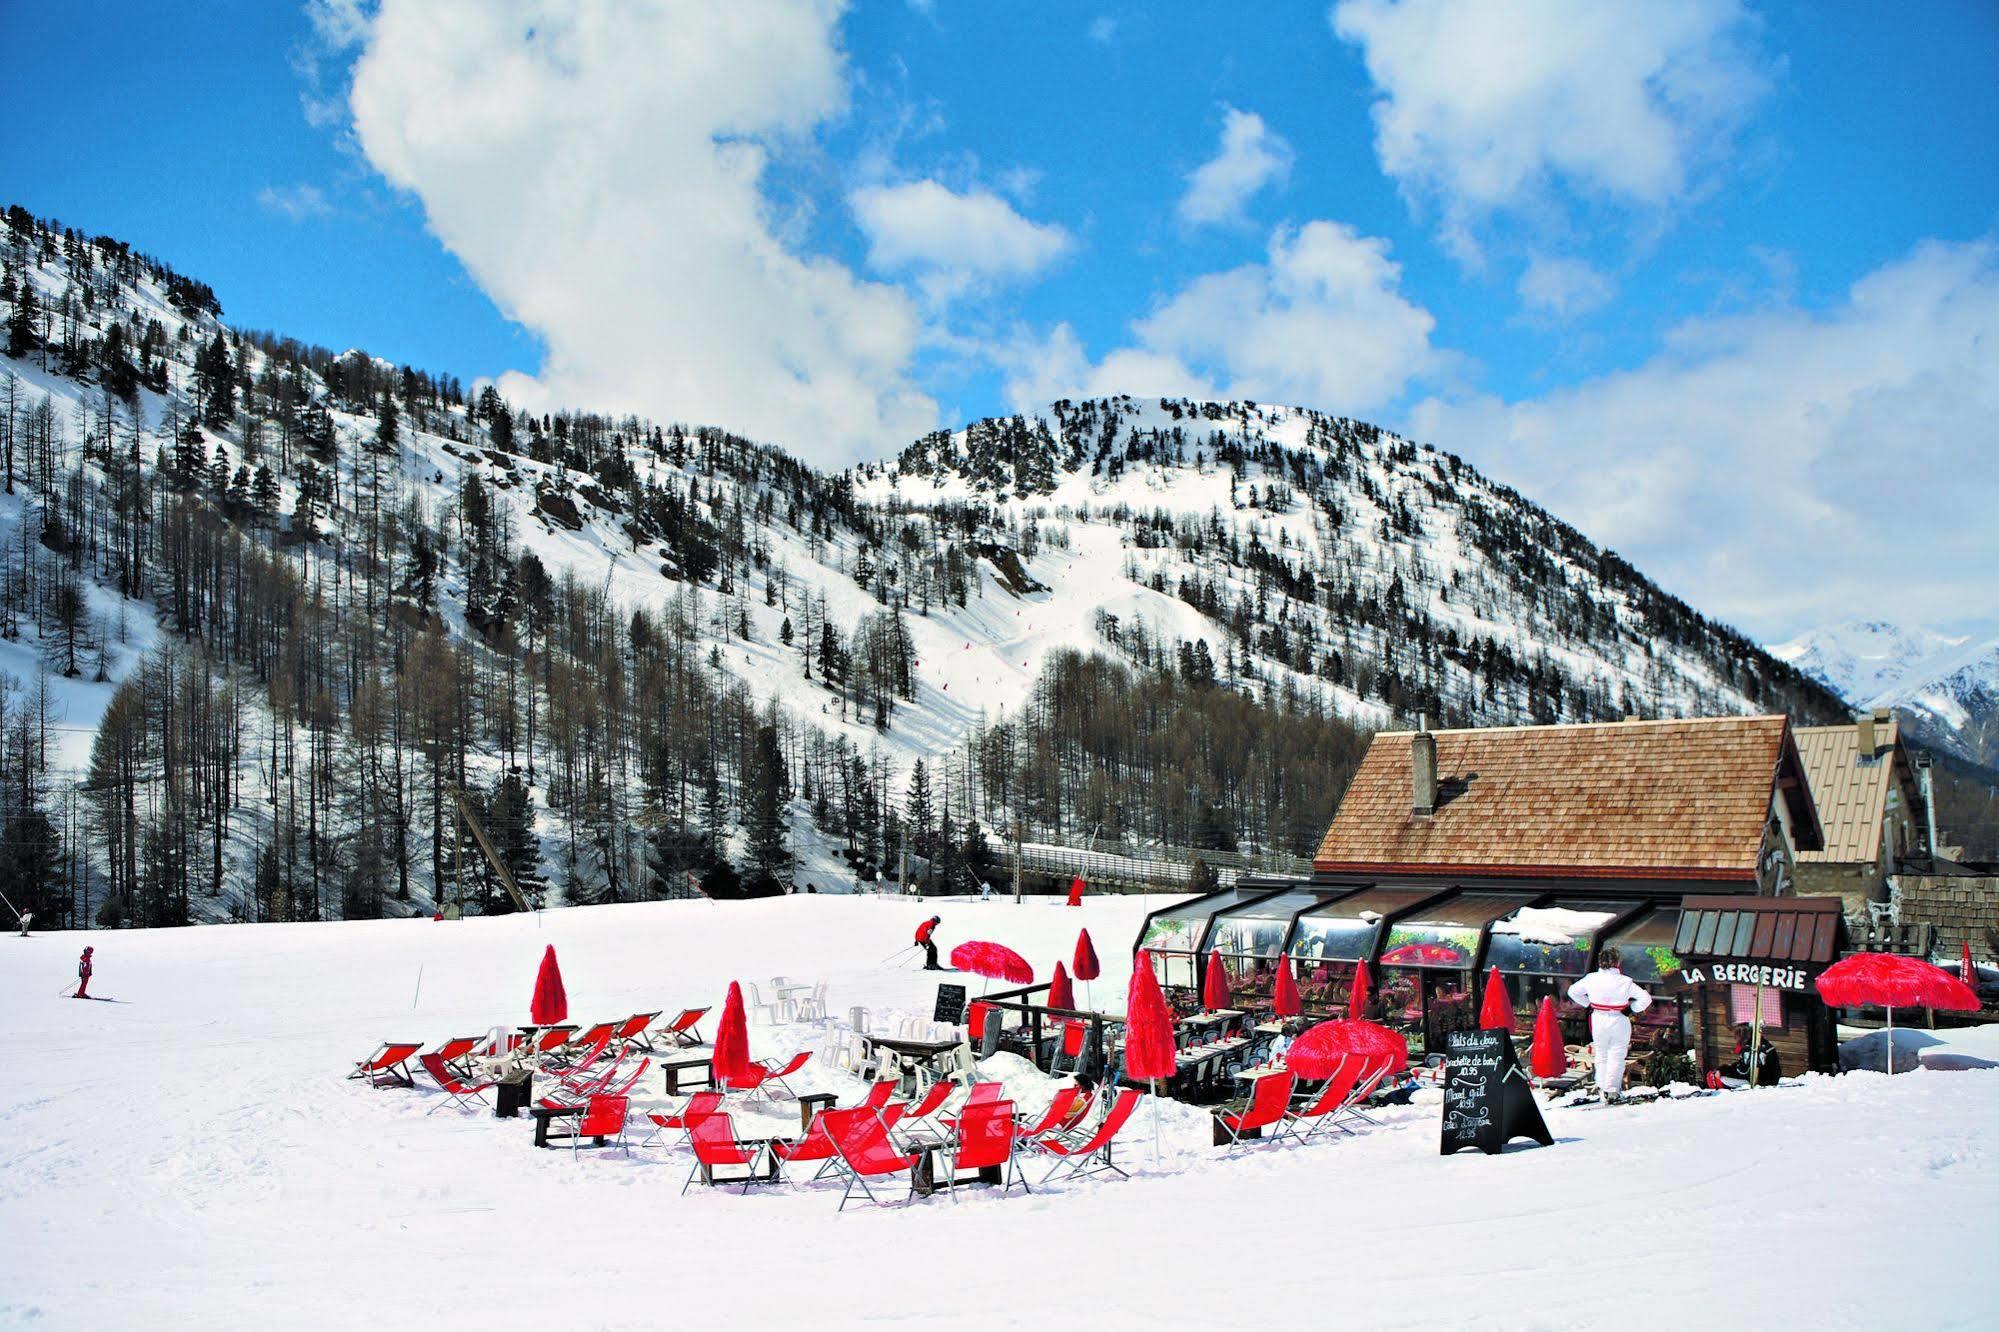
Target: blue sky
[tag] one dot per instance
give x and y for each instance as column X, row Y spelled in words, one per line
column 1681, row 272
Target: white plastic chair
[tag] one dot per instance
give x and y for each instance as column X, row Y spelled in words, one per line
column 762, row 1011
column 813, row 1007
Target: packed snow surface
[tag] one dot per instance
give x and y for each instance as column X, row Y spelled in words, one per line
column 191, row 1155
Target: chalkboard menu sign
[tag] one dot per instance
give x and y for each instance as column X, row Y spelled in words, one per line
column 950, row 1004
column 1488, row 1101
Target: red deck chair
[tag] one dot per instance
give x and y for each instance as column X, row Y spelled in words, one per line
column 986, row 1141
column 388, row 1066
column 1370, row 1078
column 1092, row 1156
column 685, row 1029
column 631, row 1033
column 865, row 1149
column 1071, row 1049
column 1321, row 1111
column 816, row 1145
column 919, row 1121
column 715, row 1146
column 457, row 1050
column 603, row 1117
column 699, row 1106
column 1268, row 1101
column 1058, row 1112
column 880, row 1094
column 594, row 1041
column 463, row 1094
column 985, row 1093
column 552, row 1039
column 777, row 1076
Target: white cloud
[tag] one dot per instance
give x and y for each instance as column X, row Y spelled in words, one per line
column 952, row 241
column 1250, row 157
column 1788, row 467
column 1488, row 107
column 1102, row 30
column 1563, row 287
column 295, row 202
column 600, row 176
column 1320, row 323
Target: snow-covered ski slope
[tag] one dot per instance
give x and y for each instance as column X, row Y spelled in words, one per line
column 190, row 1155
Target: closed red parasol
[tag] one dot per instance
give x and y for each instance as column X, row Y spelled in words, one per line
column 1495, row 1012
column 1061, row 994
column 1892, row 981
column 1363, row 986
column 1550, row 1057
column 1285, row 1002
column 1148, row 1026
column 993, row 961
column 1084, row 964
column 1076, row 891
column 1215, row 985
column 550, row 1003
column 732, row 1039
column 1317, row 1053
column 1966, row 972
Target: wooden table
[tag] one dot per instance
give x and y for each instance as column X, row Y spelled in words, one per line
column 909, row 1050
column 811, row 1103
column 545, row 1114
column 677, row 1070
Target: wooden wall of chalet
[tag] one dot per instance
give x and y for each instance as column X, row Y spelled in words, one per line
column 1807, row 1042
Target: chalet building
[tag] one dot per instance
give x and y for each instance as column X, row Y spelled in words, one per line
column 1870, row 803
column 1532, row 849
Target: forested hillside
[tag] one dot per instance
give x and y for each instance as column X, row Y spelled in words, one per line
column 269, row 612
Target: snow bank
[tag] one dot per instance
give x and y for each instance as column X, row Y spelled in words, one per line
column 191, row 1155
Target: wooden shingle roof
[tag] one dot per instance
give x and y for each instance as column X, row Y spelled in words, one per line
column 1851, row 795
column 1662, row 799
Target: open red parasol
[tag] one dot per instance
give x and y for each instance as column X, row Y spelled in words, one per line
column 1495, row 1012
column 1422, row 955
column 1363, row 986
column 1061, row 994
column 1551, row 1057
column 1215, row 985
column 993, row 961
column 1285, row 1002
column 550, row 1003
column 1891, row 981
column 732, row 1039
column 1148, row 1026
column 1084, row 965
column 1317, row 1053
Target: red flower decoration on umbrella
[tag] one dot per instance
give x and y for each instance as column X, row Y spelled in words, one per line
column 1215, row 986
column 1148, row 1026
column 1317, row 1053
column 1550, row 1057
column 1061, row 994
column 1363, row 986
column 731, row 1060
column 1496, row 1012
column 1084, row 964
column 1286, row 1003
column 993, row 961
column 550, row 1003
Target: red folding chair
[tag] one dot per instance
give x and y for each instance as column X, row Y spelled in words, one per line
column 1059, row 1110
column 685, row 1029
column 1370, row 1079
column 1320, row 1111
column 880, row 1094
column 986, row 1141
column 1268, row 1101
column 985, row 1093
column 594, row 1041
column 699, row 1106
column 776, row 1076
column 631, row 1033
column 388, row 1066
column 603, row 1118
column 1071, row 1049
column 463, row 1094
column 716, row 1147
column 865, row 1149
column 1092, row 1156
column 817, row 1145
column 457, row 1050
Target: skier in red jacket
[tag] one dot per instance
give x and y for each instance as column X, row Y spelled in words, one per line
column 929, row 945
column 83, row 975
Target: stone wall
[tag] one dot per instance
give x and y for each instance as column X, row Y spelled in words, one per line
column 1854, row 885
column 1962, row 907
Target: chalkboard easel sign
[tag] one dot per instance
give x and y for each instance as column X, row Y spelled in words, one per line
column 1488, row 1101
column 950, row 1004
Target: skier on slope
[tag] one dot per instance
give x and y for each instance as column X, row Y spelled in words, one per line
column 1612, row 998
column 83, row 975
column 929, row 945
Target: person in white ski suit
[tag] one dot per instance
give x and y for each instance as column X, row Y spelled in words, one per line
column 1612, row 998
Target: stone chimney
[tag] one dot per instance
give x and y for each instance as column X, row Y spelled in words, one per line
column 1423, row 768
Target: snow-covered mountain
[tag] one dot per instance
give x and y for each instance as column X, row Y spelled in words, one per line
column 1945, row 683
column 269, row 610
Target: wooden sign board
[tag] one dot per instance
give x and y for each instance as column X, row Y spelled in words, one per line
column 1792, row 978
column 950, row 1004
column 1488, row 1100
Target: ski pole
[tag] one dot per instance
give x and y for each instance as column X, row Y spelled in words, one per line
column 906, row 948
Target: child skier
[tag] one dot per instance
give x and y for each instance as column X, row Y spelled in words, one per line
column 83, row 975
column 929, row 946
